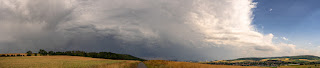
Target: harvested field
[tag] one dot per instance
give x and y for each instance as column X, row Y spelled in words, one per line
column 63, row 61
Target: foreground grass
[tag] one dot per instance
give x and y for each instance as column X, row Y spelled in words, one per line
column 172, row 64
column 63, row 62
column 128, row 64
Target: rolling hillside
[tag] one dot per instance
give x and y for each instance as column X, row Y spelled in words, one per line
column 270, row 61
column 308, row 57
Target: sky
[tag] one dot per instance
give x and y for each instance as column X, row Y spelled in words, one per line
column 295, row 20
column 162, row 29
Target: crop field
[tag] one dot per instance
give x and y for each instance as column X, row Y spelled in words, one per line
column 301, row 66
column 173, row 64
column 63, row 61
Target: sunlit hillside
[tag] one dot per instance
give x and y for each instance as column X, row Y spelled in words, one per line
column 288, row 61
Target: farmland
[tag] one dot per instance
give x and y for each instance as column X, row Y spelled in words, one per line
column 173, row 64
column 73, row 60
column 301, row 61
column 301, row 66
column 63, row 61
column 87, row 62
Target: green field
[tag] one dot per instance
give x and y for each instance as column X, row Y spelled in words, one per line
column 62, row 61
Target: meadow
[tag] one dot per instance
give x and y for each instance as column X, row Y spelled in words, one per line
column 173, row 64
column 64, row 62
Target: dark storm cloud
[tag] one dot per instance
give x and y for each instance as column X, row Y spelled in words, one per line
column 179, row 29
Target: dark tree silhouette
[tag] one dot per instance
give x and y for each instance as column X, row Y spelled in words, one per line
column 105, row 55
column 29, row 53
column 43, row 52
column 51, row 53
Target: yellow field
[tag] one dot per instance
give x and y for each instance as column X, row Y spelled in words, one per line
column 63, row 61
column 172, row 64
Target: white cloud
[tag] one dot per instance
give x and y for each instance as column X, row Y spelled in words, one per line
column 284, row 38
column 270, row 9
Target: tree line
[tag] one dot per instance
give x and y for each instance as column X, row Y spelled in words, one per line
column 105, row 55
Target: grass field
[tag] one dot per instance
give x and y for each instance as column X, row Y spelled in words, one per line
column 63, row 61
column 173, row 64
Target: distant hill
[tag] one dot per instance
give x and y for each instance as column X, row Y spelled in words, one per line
column 308, row 57
column 270, row 61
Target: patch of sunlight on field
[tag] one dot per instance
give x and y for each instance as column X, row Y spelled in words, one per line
column 173, row 64
column 264, row 59
column 287, row 59
column 234, row 61
column 55, row 62
column 282, row 59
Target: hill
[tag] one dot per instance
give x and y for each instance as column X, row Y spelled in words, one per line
column 270, row 61
column 308, row 57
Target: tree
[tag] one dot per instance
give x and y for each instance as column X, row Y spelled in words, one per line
column 29, row 53
column 68, row 53
column 60, row 53
column 43, row 52
column 51, row 53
